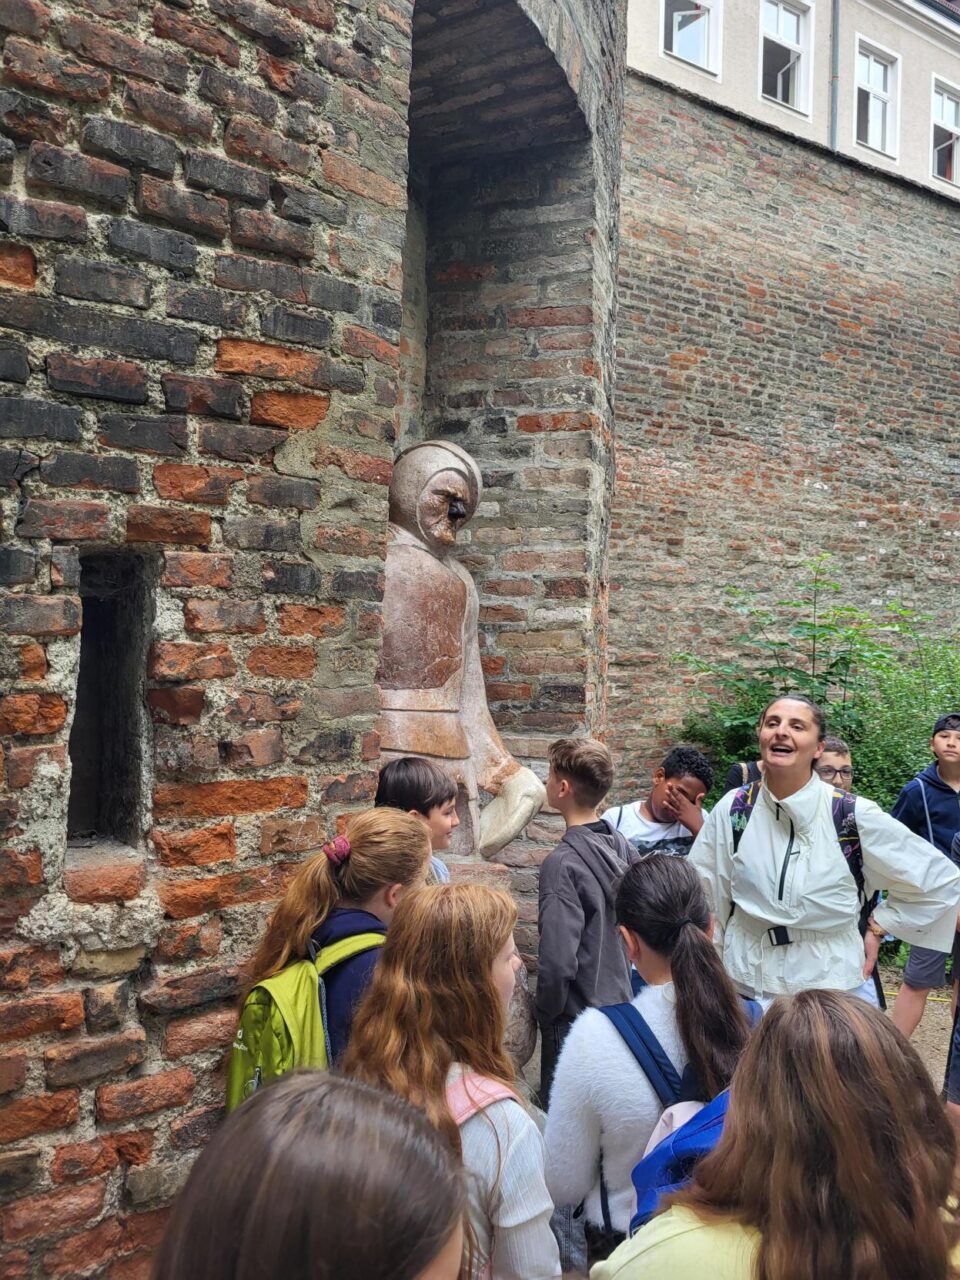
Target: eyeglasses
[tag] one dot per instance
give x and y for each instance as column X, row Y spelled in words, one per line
column 827, row 771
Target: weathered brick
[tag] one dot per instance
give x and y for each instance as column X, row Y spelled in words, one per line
column 184, row 660
column 295, row 410
column 196, row 1128
column 245, row 140
column 37, row 68
column 25, row 966
column 124, row 53
column 88, row 327
column 77, row 174
column 206, row 306
column 193, row 940
column 144, row 1096
column 278, row 661
column 179, row 752
column 356, row 585
column 104, row 872
column 97, row 1247
column 293, row 284
column 198, row 36
column 310, row 620
column 15, row 464
column 129, row 144
column 196, row 848
column 100, row 378
column 33, row 662
column 35, row 1015
column 193, row 990
column 64, row 521
column 195, row 484
column 238, row 444
column 95, row 281
column 192, row 210
column 17, row 566
column 303, row 205
column 13, row 1072
column 65, row 566
column 90, row 471
column 26, row 17
column 257, row 229
column 51, row 1213
column 366, row 183
column 182, row 899
column 105, row 1006
column 79, row 1061
column 276, row 32
column 236, row 181
column 226, row 799
column 23, row 615
column 202, row 1031
column 253, row 533
column 236, row 94
column 26, row 118
column 292, row 835
column 23, row 762
column 296, row 326
column 78, row 1161
column 265, row 360
column 292, row 79
column 164, row 436
column 166, row 524
column 18, row 267
column 168, row 111
column 18, row 870
column 225, row 616
column 182, row 705
column 219, row 397
column 42, row 219
column 283, row 491
column 168, row 249
column 196, row 569
column 262, row 708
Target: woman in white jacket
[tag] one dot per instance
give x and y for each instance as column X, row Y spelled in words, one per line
column 785, row 898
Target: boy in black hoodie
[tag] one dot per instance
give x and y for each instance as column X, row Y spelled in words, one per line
column 930, row 806
column 582, row 963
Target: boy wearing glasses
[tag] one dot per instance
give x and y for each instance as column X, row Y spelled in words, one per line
column 835, row 766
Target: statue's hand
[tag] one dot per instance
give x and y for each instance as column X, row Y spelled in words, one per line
column 521, row 797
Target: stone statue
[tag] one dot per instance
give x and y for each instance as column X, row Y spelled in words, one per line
column 431, row 682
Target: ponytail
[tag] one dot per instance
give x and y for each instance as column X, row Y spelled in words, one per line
column 381, row 847
column 661, row 900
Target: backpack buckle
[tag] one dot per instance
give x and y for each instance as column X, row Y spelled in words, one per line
column 779, row 936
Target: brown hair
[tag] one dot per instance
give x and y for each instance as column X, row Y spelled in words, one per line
column 835, row 745
column 315, row 1178
column 816, row 711
column 432, row 1001
column 586, row 764
column 661, row 900
column 385, row 847
column 414, row 783
column 836, row 1148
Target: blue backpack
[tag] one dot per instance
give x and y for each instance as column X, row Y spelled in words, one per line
column 670, row 1164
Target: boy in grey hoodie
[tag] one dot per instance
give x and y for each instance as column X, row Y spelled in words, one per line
column 582, row 963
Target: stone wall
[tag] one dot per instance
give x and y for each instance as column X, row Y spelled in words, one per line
column 787, row 384
column 201, row 283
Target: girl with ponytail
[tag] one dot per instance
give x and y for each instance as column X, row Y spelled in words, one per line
column 351, row 887
column 602, row 1108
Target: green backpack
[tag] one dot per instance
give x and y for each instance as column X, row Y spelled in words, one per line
column 282, row 1024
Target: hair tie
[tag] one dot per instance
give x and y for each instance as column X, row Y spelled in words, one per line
column 337, row 850
column 680, row 923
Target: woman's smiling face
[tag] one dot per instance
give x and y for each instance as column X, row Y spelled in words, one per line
column 789, row 735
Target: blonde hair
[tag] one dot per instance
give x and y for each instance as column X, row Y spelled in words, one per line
column 433, row 1001
column 386, row 847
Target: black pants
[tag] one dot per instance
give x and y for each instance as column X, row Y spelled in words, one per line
column 601, row 1243
column 552, row 1036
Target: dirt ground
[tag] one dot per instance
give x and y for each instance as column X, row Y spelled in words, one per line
column 932, row 1038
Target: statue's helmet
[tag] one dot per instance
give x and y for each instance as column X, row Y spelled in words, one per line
column 435, row 490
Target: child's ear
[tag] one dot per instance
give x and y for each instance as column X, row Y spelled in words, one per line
column 658, row 776
column 630, row 943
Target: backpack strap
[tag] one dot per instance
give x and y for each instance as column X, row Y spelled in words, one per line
column 926, row 810
column 327, row 958
column 741, row 807
column 472, row 1093
column 647, row 1050
column 744, row 772
column 845, row 823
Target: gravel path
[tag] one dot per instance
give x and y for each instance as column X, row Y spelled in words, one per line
column 932, row 1038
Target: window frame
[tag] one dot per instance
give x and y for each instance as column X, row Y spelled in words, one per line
column 714, row 65
column 941, row 83
column 806, row 11
column 867, row 45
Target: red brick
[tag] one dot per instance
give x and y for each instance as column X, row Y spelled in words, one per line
column 34, row 1015
column 13, row 1072
column 33, row 662
column 264, row 360
column 319, row 13
column 25, row 966
column 346, row 540
column 341, row 172
column 182, row 660
column 282, row 661
column 20, row 871
column 138, row 1266
column 196, row 1128
column 79, row 1061
column 133, row 1147
column 38, row 1113
column 51, row 1213
column 195, row 848
column 92, row 1248
column 192, row 210
column 245, row 140
column 253, row 750
column 146, row 1095
column 103, row 873
column 32, row 713
column 190, row 941
column 23, row 615
column 293, row 80
column 167, row 111
column 183, row 705
column 28, row 118
column 228, row 616
column 228, row 799
column 310, row 620
column 262, row 708
column 361, row 342
column 65, row 521
column 212, row 1030
column 78, row 1161
column 145, row 1230
column 114, row 49
column 256, row 229
column 574, row 420
column 26, row 17
column 194, row 569
column 216, row 397
column 358, row 466
column 292, row 835
column 183, row 898
column 165, row 524
column 182, row 991
column 198, row 36
column 296, row 410
column 100, row 378
column 195, row 484
column 18, row 267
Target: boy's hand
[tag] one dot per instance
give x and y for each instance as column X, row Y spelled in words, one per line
column 871, row 950
column 683, row 809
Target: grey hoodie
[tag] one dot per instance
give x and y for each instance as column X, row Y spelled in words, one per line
column 582, row 963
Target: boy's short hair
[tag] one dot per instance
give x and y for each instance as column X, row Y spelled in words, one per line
column 684, row 762
column 950, row 721
column 586, row 764
column 835, row 745
column 414, row 783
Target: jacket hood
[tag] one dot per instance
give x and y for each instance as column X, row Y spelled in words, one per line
column 344, row 922
column 606, row 854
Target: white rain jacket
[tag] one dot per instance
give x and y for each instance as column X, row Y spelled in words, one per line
column 789, row 870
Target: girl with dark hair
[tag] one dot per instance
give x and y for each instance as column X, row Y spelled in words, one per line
column 603, row 1108
column 787, row 891
column 316, row 1178
column 836, row 1162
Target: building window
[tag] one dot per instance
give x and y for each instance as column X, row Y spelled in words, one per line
column 876, row 99
column 946, row 134
column 691, row 31
column 783, row 54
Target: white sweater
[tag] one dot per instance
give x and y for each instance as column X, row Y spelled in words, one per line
column 601, row 1103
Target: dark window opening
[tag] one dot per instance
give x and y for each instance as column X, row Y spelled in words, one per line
column 780, row 72
column 107, row 741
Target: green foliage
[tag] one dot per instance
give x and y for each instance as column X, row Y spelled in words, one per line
column 881, row 681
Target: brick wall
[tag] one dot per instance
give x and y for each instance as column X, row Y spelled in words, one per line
column 787, row 384
column 201, row 274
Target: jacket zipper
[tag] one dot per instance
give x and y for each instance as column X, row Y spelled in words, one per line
column 786, row 859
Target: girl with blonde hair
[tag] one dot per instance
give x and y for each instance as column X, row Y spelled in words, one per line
column 431, row 1029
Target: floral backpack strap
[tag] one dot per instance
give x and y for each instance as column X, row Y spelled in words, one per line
column 740, row 810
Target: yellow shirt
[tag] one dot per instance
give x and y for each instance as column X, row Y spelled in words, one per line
column 682, row 1246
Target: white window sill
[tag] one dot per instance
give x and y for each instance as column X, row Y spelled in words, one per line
column 877, row 151
column 685, row 62
column 796, row 111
